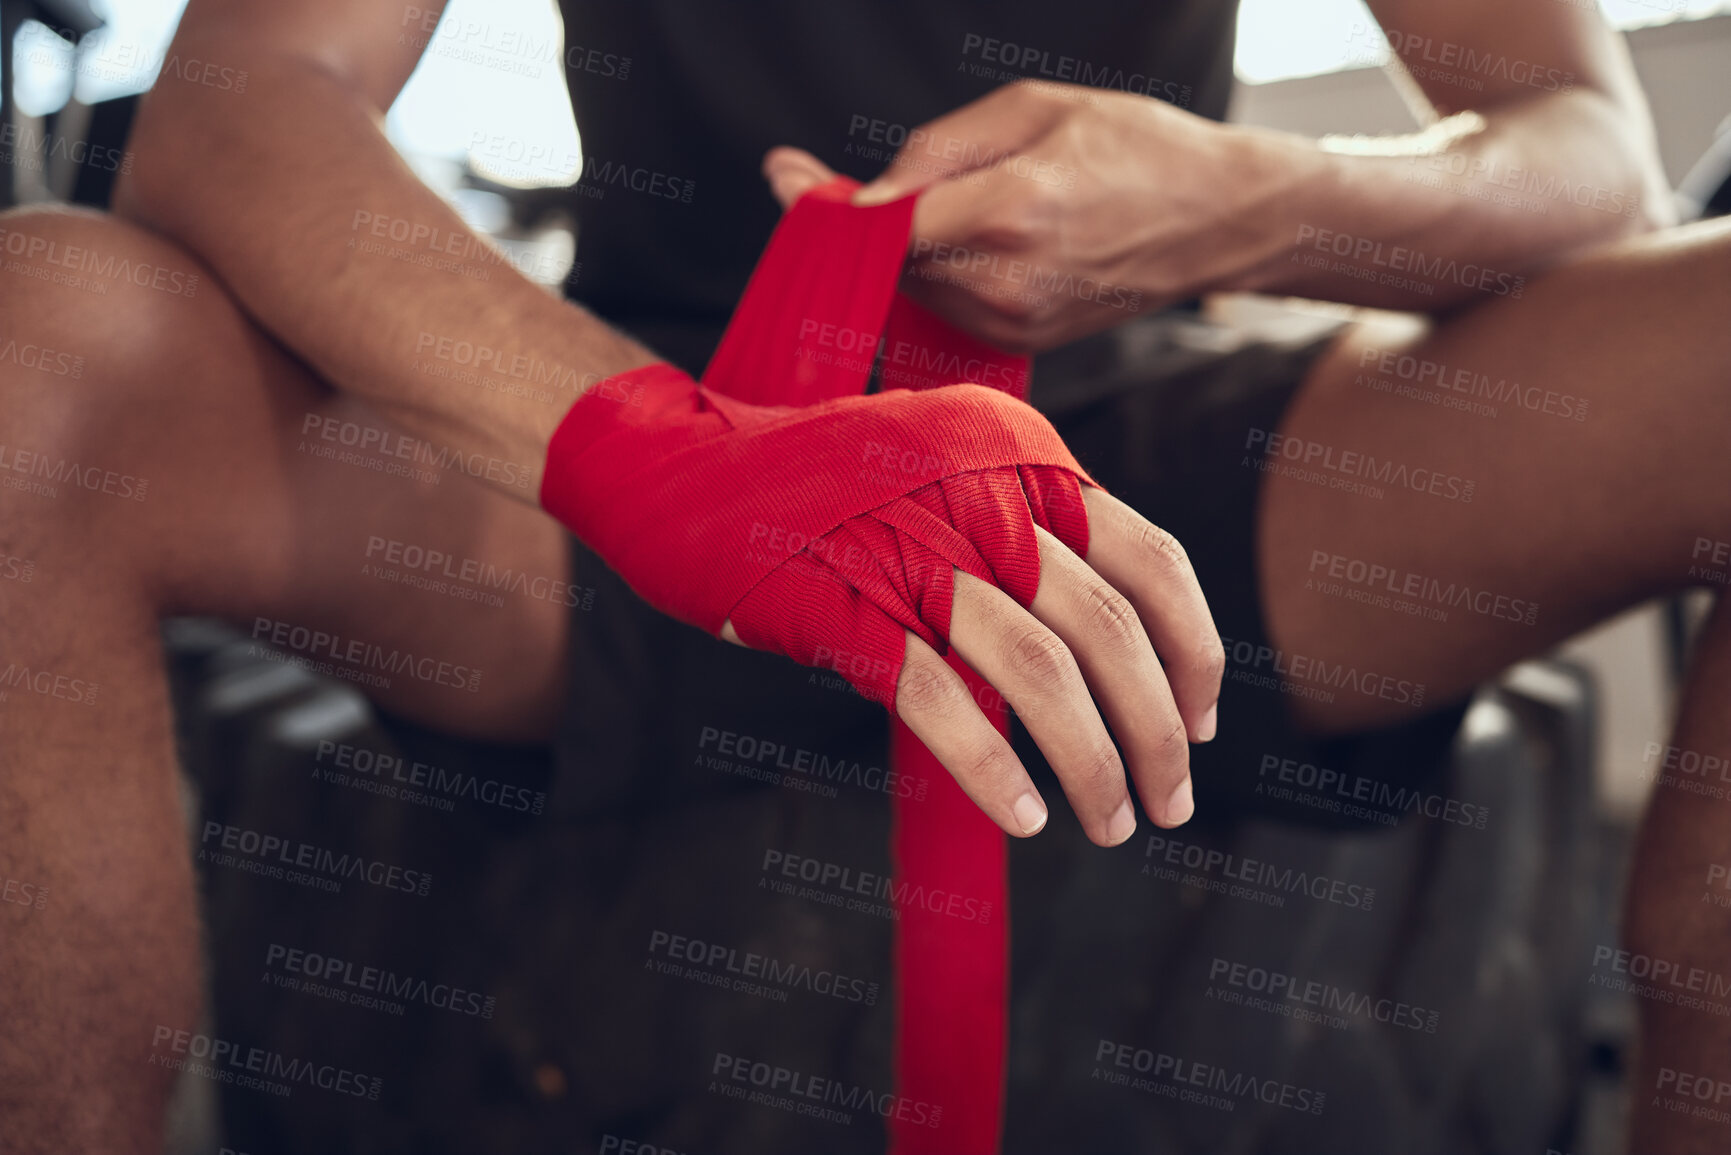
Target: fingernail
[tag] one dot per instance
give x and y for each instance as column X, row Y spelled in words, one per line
column 1123, row 824
column 1030, row 813
column 1210, row 722
column 1181, row 805
column 873, row 194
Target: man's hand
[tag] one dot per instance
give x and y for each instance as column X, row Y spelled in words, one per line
column 1052, row 211
column 1088, row 644
column 1125, row 631
column 868, row 573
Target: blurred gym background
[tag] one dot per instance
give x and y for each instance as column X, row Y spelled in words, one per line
column 1574, row 728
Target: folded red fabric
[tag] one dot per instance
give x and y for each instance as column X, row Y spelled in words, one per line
column 824, row 523
column 821, row 531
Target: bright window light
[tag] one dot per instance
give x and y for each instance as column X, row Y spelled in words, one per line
column 125, row 54
column 491, row 88
column 1278, row 39
column 41, row 68
column 1282, row 39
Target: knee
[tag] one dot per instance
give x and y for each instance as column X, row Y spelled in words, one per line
column 99, row 296
column 99, row 320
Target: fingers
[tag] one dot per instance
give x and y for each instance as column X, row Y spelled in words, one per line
column 793, row 172
column 970, row 238
column 934, row 701
column 977, row 135
column 1035, row 671
column 977, row 210
column 1105, row 634
column 1148, row 566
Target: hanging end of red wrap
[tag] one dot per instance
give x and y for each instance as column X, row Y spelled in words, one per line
column 952, row 958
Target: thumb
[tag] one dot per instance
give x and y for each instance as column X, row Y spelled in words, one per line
column 793, row 172
column 975, row 136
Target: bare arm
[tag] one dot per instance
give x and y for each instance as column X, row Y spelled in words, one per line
column 1546, row 147
column 280, row 188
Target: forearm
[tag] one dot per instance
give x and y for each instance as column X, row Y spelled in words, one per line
column 280, row 190
column 1462, row 212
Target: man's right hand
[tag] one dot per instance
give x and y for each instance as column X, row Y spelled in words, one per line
column 760, row 524
column 1124, row 630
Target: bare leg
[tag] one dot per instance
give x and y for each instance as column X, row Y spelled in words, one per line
column 241, row 519
column 1669, row 916
column 1578, row 518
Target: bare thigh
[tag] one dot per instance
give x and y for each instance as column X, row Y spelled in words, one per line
column 1453, row 496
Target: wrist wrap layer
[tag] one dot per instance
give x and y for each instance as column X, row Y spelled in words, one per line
column 716, row 509
column 824, row 523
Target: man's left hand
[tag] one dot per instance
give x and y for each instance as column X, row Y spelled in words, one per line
column 1052, row 211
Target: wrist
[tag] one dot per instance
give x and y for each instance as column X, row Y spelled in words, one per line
column 1290, row 184
column 627, row 402
column 611, row 354
column 601, row 357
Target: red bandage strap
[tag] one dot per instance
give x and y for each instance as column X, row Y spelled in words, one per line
column 822, row 295
column 819, row 521
column 683, row 473
column 807, row 330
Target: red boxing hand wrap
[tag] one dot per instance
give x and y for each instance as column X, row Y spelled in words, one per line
column 821, row 532
column 824, row 524
column 821, row 522
column 900, row 561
